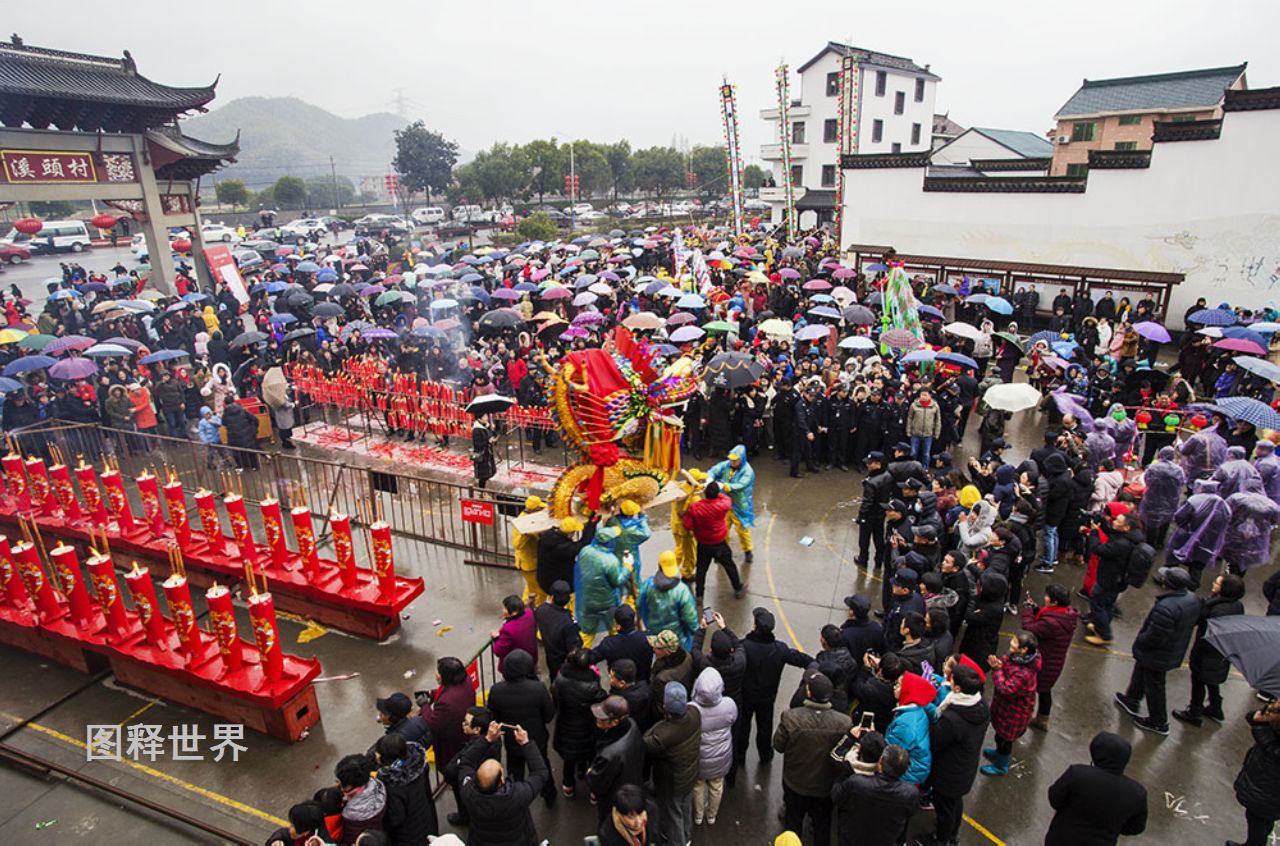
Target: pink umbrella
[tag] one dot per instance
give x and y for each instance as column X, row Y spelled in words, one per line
column 1235, row 344
column 901, row 339
column 844, row 273
column 817, row 285
column 680, row 318
column 575, row 332
column 506, row 294
column 789, row 273
column 558, row 293
column 540, row 274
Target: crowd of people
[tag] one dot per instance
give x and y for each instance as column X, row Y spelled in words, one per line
column 648, row 700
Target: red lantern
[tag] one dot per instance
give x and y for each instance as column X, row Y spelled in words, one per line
column 104, row 221
column 1199, row 422
column 182, row 245
column 28, row 225
column 1143, row 418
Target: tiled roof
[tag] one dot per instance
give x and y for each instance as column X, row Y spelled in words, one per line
column 1026, row 144
column 870, row 57
column 180, row 156
column 1181, row 90
column 816, row 199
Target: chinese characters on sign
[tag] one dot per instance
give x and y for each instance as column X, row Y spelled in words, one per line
column 38, row 167
column 146, row 742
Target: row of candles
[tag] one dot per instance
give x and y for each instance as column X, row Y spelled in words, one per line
column 48, row 490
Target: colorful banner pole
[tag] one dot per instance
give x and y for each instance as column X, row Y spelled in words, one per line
column 733, row 154
column 783, row 85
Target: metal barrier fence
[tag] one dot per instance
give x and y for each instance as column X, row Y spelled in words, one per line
column 414, row 506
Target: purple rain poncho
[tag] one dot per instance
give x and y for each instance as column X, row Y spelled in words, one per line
column 1099, row 444
column 1237, row 475
column 1248, row 541
column 1164, row 481
column 1200, row 525
column 1202, row 453
column 1124, row 431
column 1268, row 466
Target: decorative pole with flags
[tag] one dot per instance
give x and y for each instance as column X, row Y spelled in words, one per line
column 733, row 153
column 784, row 139
column 846, row 135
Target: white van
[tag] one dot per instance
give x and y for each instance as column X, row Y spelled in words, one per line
column 56, row 235
column 428, row 215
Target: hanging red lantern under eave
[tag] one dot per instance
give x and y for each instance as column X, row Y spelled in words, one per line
column 104, row 221
column 28, row 225
column 182, row 245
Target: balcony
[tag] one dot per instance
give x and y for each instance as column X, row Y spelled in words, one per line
column 797, row 111
column 773, row 195
column 773, row 152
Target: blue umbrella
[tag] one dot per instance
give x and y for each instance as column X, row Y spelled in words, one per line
column 654, row 287
column 1044, row 335
column 691, row 301
column 470, row 278
column 8, row 386
column 163, row 355
column 27, row 363
column 944, row 289
column 480, row 294
column 327, row 274
column 195, row 297
column 1260, row 366
column 931, row 311
column 1247, row 409
column 63, row 294
column 1245, row 335
column 1064, row 348
column 957, row 358
column 93, row 288
column 283, row 318
column 276, row 286
column 919, row 357
column 258, row 288
column 1213, row 317
column 825, row 311
column 664, row 349
column 977, row 298
column 877, row 267
column 524, row 287
column 999, row 305
column 307, row 267
column 443, row 304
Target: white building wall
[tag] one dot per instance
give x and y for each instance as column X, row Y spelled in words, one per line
column 971, row 145
column 1208, row 209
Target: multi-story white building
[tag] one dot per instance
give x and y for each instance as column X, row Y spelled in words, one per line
column 894, row 113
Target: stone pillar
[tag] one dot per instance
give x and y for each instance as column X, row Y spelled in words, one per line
column 157, row 234
column 203, row 277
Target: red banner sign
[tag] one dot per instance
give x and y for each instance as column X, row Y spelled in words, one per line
column 222, row 266
column 45, row 167
column 476, row 511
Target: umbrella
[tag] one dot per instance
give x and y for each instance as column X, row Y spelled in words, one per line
column 73, row 368
column 859, row 315
column 506, row 294
column 900, row 339
column 245, row 339
column 370, row 290
column 489, row 404
column 789, row 272
column 387, row 297
column 1265, row 327
column 643, row 320
column 944, row 289
column 108, row 351
column 777, row 328
column 664, row 349
column 825, row 311
column 557, row 293
column 931, row 311
column 958, row 359
column 1252, row 645
column 588, row 317
column 379, row 333
column 1242, row 333
column 686, row 334
column 162, row 355
column 1260, row 366
column 1065, row 348
column 977, row 298
column 814, row 332
column 601, row 289
column 737, row 369
column 500, row 319
column 1157, row 379
column 327, row 274
column 875, row 298
column 876, row 267
column 10, row 336
column 283, row 318
column 691, row 301
column 307, row 267
column 817, row 285
column 35, row 342
column 304, row 332
column 124, row 342
column 342, row 289
column 843, row 295
column 680, row 318
column 1048, row 337
column 1152, row 331
column 1247, row 409
column 328, row 310
column 1213, row 317
column 586, row 298
column 1014, row 396
column 999, row 305
column 1011, row 338
column 8, row 386
column 428, row 332
column 844, row 273
column 1240, row 345
column 919, row 357
column 68, row 342
column 27, row 363
column 443, row 303
column 720, row 326
column 857, row 342
column 963, row 330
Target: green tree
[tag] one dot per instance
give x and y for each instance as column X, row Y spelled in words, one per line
column 547, row 163
column 753, row 177
column 424, row 159
column 592, row 167
column 291, row 191
column 232, row 192
column 501, row 172
column 659, row 170
column 618, row 155
column 52, row 209
column 537, row 227
column 320, row 192
column 465, row 187
column 712, row 169
column 266, row 198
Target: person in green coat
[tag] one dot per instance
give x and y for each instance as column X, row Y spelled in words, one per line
column 633, row 524
column 598, row 576
column 667, row 603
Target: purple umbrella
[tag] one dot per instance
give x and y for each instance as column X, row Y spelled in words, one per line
column 73, row 368
column 379, row 334
column 557, row 293
column 589, row 317
column 575, row 332
column 686, row 334
column 1074, row 405
column 1233, row 344
column 68, row 342
column 680, row 318
column 506, row 294
column 1152, row 331
column 789, row 273
column 586, row 298
column 369, row 290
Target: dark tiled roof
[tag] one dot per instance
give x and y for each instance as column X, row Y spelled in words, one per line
column 816, row 200
column 1181, row 90
column 1073, row 270
column 1006, row 165
column 1251, row 100
column 860, row 161
column 1007, row 184
column 1119, row 159
column 44, row 87
column 1187, row 130
column 179, row 156
column 870, row 57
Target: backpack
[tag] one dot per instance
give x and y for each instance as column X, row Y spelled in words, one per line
column 1141, row 558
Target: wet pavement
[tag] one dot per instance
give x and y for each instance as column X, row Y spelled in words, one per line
column 1188, row 775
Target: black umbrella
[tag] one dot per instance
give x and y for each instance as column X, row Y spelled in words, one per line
column 499, row 320
column 736, row 369
column 300, row 333
column 299, row 299
column 1156, row 378
column 248, row 338
column 859, row 315
column 1252, row 645
column 489, row 404
column 328, row 310
column 342, row 289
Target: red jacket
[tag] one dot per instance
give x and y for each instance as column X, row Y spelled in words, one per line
column 707, row 519
column 1054, row 629
column 517, row 633
column 1014, row 701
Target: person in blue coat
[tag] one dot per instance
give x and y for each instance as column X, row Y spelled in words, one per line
column 633, row 527
column 737, row 479
column 667, row 603
column 909, row 727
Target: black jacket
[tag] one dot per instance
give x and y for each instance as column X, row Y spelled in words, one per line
column 242, row 427
column 559, row 633
column 639, row 700
column 732, row 666
column 982, row 620
column 557, row 553
column 575, row 691
column 766, row 656
column 1113, row 558
column 838, row 666
column 619, row 760
column 411, row 813
column 1162, row 641
column 1258, row 784
column 876, row 490
column 1271, row 590
column 861, row 635
column 671, row 746
column 873, row 810
column 501, row 818
column 1095, row 804
column 633, row 644
column 1057, row 505
column 955, row 741
column 1207, row 663
column 871, row 695
column 520, row 699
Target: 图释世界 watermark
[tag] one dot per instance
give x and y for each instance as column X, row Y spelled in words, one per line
column 144, row 742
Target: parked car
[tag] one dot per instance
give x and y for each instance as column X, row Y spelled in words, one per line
column 212, row 232
column 591, row 216
column 57, row 235
column 14, row 253
column 374, row 224
column 428, row 215
column 508, row 222
column 306, row 227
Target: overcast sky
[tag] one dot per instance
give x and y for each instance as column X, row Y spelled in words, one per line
column 499, row 70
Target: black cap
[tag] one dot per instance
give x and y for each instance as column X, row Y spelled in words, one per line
column 896, row 504
column 859, row 605
column 902, row 446
column 915, row 484
column 820, row 687
column 611, row 708
column 397, row 706
column 999, row 443
column 906, row 577
column 927, row 532
column 763, row 618
column 876, row 456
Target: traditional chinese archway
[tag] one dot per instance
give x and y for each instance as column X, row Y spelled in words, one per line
column 77, row 127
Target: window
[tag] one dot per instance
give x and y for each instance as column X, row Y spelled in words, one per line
column 797, row 132
column 797, row 174
column 1082, row 131
column 897, row 148
column 828, row 176
column 1130, row 120
column 919, row 90
column 830, row 132
column 915, row 134
column 899, row 102
column 1184, row 118
column 1078, row 169
column 833, row 85
column 1126, row 145
column 882, row 80
column 877, row 131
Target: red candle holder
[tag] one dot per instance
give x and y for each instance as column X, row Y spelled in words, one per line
column 177, row 594
column 209, row 523
column 94, row 506
column 273, row 527
column 10, row 579
column 344, row 549
column 176, row 499
column 15, row 481
column 304, row 531
column 262, row 612
column 143, row 594
column 222, row 617
column 149, row 493
column 102, row 573
column 33, row 579
column 65, row 563
column 117, row 499
column 234, row 503
column 64, row 491
column 384, row 565
column 41, row 490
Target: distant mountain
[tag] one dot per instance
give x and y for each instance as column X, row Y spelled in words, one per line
column 284, row 135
